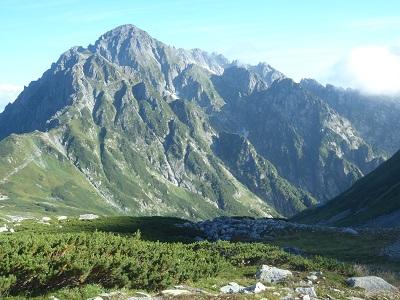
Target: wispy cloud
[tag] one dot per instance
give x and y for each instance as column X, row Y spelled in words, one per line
column 8, row 93
column 372, row 69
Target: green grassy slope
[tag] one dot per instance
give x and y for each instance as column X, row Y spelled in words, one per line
column 375, row 195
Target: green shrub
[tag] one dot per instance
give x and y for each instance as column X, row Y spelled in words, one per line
column 34, row 264
column 5, row 284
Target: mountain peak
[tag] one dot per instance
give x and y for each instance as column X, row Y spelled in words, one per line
column 120, row 39
column 123, row 31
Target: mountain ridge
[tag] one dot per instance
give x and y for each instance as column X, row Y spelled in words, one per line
column 139, row 120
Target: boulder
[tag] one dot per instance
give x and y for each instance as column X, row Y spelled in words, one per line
column 310, row 291
column 271, row 274
column 232, row 288
column 371, row 284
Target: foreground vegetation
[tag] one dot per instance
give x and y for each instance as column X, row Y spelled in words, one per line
column 77, row 259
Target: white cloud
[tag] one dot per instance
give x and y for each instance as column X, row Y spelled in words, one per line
column 372, row 69
column 8, row 93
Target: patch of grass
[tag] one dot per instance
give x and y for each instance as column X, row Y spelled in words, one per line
column 364, row 248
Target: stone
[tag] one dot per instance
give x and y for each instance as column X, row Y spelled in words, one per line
column 310, row 291
column 46, row 219
column 316, row 273
column 312, row 277
column 271, row 274
column 62, row 218
column 371, row 284
column 4, row 228
column 231, row 288
column 306, row 297
column 175, row 292
column 88, row 217
column 256, row 288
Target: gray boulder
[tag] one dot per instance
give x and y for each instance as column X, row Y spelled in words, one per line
column 307, row 291
column 232, row 288
column 271, row 274
column 371, row 284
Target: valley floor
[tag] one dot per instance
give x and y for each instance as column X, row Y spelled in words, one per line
column 147, row 257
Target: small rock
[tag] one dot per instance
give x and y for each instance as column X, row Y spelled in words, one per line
column 46, row 219
column 316, row 273
column 306, row 297
column 62, row 218
column 371, row 284
column 256, row 288
column 271, row 274
column 310, row 291
column 231, row 288
column 88, row 217
column 4, row 228
column 12, row 230
column 175, row 292
column 312, row 277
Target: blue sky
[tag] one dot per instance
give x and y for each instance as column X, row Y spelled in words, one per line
column 332, row 41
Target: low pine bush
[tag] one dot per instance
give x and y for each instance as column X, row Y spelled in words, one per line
column 34, row 264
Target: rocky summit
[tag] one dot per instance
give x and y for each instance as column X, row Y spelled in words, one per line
column 130, row 125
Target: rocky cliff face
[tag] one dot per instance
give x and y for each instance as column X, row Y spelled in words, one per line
column 376, row 118
column 131, row 125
